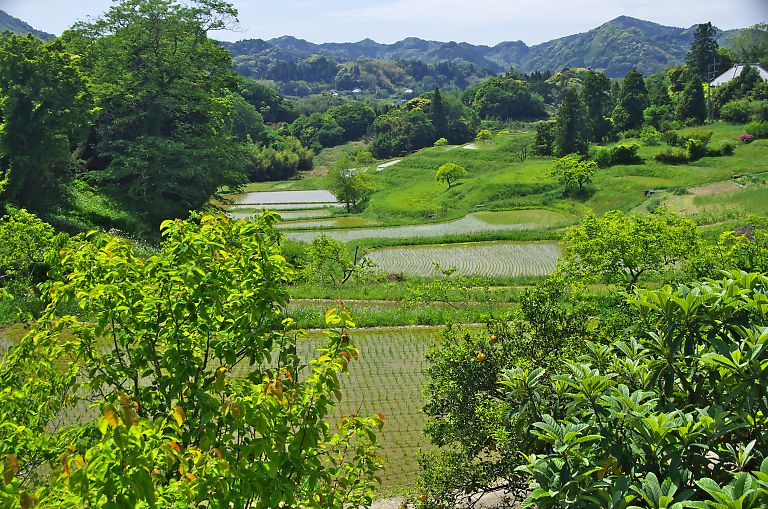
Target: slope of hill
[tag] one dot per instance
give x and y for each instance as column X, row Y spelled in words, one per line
column 10, row 24
column 615, row 47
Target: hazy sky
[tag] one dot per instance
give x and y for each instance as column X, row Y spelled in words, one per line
column 475, row 21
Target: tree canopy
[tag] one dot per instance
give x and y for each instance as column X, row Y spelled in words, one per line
column 161, row 137
column 701, row 56
column 450, row 173
column 202, row 398
column 45, row 109
column 621, row 247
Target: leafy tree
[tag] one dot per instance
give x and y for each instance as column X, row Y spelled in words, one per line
column 573, row 172
column 351, row 187
column 658, row 85
column 597, row 96
column 741, row 87
column 701, row 56
column 439, row 117
column 401, row 131
column 282, row 159
column 640, row 421
column 484, row 135
column 544, row 138
column 329, row 262
column 44, row 112
column 354, row 117
column 751, row 44
column 621, row 247
column 745, row 248
column 317, row 131
column 505, row 98
column 633, row 99
column 203, row 399
column 477, row 445
column 571, row 126
column 245, row 123
column 450, row 173
column 161, row 141
column 693, row 106
column 267, row 101
column 27, row 246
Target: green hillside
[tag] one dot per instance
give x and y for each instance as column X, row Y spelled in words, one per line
column 615, row 47
column 10, row 24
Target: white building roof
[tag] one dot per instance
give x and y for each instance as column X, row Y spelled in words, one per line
column 736, row 70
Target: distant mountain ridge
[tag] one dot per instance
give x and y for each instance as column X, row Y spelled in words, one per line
column 614, row 47
column 14, row 25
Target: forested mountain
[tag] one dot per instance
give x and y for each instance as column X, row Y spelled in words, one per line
column 615, row 47
column 16, row 26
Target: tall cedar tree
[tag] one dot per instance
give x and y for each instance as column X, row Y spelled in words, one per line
column 633, row 99
column 597, row 96
column 44, row 112
column 693, row 106
column 162, row 141
column 703, row 51
column 439, row 119
column 571, row 125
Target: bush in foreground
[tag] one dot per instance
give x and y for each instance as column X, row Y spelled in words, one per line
column 203, row 400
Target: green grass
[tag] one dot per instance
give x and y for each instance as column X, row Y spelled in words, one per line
column 408, row 194
column 540, row 217
column 311, row 314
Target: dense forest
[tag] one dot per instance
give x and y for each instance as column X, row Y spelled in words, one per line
column 153, row 343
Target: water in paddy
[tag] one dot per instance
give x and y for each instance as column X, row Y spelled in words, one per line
column 299, row 197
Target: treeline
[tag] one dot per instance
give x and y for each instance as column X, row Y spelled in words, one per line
column 301, row 77
column 135, row 117
column 595, row 109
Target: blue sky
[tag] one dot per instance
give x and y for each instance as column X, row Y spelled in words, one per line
column 476, row 21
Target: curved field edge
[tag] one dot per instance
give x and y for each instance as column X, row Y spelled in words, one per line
column 467, row 225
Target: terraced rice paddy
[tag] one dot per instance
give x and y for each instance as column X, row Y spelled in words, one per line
column 467, row 225
column 339, row 222
column 502, row 259
column 388, row 378
column 285, row 197
column 318, row 213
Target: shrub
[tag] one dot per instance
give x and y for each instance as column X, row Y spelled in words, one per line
column 670, row 138
column 440, row 142
column 726, row 149
column 483, row 135
column 618, row 154
column 626, row 154
column 655, row 116
column 679, row 190
column 746, row 138
column 760, row 110
column 672, row 157
column 649, row 136
column 601, row 155
column 630, row 133
column 737, row 112
column 695, row 149
column 758, row 129
column 698, row 135
column 672, row 416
